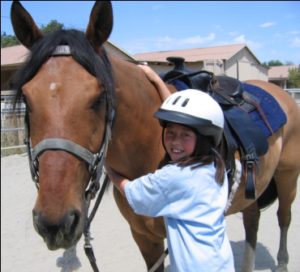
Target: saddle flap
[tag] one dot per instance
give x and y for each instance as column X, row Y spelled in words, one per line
column 230, row 86
column 246, row 131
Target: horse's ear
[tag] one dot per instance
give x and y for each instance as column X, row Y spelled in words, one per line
column 24, row 26
column 100, row 24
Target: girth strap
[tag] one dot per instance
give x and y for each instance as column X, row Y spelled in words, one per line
column 254, row 144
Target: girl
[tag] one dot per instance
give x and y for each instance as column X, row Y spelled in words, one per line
column 190, row 189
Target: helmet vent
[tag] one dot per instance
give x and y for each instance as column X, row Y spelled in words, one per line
column 175, row 101
column 185, row 102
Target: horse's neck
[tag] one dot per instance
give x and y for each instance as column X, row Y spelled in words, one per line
column 136, row 147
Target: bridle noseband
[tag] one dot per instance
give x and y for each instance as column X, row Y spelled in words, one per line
column 95, row 161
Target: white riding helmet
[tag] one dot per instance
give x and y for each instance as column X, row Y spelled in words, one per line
column 195, row 109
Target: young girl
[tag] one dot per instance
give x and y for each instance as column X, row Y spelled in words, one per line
column 190, row 189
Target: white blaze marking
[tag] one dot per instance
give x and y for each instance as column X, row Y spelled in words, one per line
column 52, row 86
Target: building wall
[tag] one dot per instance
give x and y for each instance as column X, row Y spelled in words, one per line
column 244, row 66
column 5, row 78
column 111, row 49
column 279, row 82
column 214, row 66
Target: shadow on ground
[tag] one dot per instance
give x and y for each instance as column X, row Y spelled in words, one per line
column 263, row 261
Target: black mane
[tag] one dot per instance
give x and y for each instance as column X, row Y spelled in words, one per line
column 82, row 51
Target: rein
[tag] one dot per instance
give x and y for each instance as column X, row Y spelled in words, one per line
column 95, row 162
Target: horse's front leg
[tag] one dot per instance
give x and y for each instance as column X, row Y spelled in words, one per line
column 151, row 249
column 251, row 217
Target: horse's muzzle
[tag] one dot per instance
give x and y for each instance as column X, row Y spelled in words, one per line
column 62, row 234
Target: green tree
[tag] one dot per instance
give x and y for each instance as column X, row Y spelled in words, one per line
column 51, row 27
column 8, row 40
column 11, row 40
column 294, row 77
column 273, row 63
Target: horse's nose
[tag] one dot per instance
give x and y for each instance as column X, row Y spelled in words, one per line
column 55, row 233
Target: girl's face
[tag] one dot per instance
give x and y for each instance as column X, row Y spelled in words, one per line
column 179, row 141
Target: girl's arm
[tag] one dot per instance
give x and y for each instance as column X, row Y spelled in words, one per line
column 157, row 81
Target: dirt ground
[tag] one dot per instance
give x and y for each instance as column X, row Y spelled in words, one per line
column 22, row 249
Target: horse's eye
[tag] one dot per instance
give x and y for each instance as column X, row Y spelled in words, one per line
column 98, row 102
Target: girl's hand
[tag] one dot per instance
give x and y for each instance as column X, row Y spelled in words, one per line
column 157, row 81
column 118, row 180
column 150, row 73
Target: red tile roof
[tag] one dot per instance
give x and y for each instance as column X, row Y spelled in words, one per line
column 280, row 71
column 13, row 55
column 224, row 52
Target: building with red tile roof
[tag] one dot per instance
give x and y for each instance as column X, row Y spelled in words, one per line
column 12, row 57
column 234, row 60
column 279, row 74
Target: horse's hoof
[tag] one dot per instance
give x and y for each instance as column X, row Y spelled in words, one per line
column 282, row 268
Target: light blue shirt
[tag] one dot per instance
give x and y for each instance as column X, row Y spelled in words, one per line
column 192, row 204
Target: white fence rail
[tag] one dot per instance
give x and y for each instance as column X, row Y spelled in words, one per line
column 295, row 93
column 12, row 125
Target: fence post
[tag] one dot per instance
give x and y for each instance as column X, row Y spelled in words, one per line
column 12, row 125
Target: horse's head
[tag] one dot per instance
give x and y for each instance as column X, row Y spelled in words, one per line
column 68, row 89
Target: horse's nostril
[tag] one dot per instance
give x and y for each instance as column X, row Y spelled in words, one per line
column 71, row 221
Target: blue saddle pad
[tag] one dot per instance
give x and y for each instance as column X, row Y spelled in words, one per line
column 273, row 112
column 179, row 85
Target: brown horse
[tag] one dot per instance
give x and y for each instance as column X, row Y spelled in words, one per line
column 71, row 88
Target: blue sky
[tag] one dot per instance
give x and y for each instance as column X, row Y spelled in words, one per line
column 271, row 29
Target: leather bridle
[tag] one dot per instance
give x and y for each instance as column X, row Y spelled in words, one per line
column 95, row 161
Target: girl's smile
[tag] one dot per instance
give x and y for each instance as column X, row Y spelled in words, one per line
column 179, row 141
